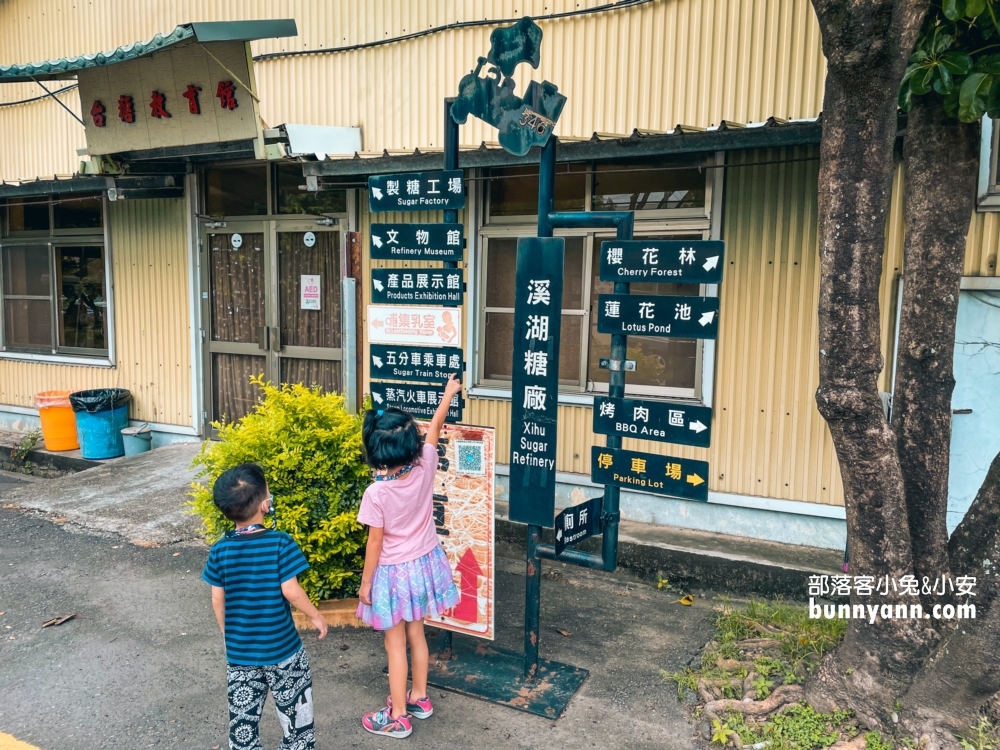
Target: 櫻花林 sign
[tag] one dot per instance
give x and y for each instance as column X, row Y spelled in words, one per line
column 417, row 242
column 419, row 400
column 649, row 472
column 417, row 191
column 417, row 286
column 535, row 387
column 421, row 326
column 668, row 315
column 666, row 422
column 464, row 516
column 675, row 261
column 180, row 96
column 415, row 363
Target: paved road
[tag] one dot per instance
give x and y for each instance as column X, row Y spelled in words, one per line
column 142, row 665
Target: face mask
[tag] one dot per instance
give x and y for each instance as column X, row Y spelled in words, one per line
column 270, row 509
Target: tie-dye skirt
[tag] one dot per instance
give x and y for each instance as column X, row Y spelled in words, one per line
column 410, row 591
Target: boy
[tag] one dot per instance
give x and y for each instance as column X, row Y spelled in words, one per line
column 253, row 574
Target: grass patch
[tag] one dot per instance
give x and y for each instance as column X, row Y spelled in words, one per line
column 800, row 727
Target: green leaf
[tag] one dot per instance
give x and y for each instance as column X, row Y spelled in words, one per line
column 950, row 103
column 993, row 100
column 989, row 64
column 921, row 81
column 941, row 43
column 953, row 9
column 920, row 56
column 974, row 8
column 944, row 83
column 972, row 96
column 957, row 63
column 905, row 100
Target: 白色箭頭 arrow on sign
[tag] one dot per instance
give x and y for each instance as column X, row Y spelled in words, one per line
column 711, row 263
column 707, row 317
column 695, row 480
column 377, row 284
column 376, row 398
column 697, row 426
column 377, row 192
column 558, row 534
column 377, row 361
column 376, row 240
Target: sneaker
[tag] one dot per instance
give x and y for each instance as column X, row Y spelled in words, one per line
column 381, row 722
column 421, row 709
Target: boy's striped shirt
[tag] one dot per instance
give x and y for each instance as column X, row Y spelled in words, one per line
column 251, row 568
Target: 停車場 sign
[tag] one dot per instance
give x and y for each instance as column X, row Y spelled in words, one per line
column 417, row 242
column 649, row 472
column 666, row 422
column 417, row 191
column 675, row 261
column 415, row 363
column 665, row 315
column 417, row 286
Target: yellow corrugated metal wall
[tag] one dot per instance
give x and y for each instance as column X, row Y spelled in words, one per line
column 650, row 67
column 152, row 321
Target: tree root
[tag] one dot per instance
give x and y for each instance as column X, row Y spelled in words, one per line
column 761, row 644
column 733, row 665
column 780, row 697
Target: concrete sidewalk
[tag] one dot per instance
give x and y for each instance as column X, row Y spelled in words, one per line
column 142, row 665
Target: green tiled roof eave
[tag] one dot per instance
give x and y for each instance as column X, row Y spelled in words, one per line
column 67, row 66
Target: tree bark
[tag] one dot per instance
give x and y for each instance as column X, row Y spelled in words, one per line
column 866, row 45
column 941, row 161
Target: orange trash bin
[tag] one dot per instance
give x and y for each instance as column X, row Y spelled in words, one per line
column 58, row 420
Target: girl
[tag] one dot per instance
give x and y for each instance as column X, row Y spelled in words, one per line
column 407, row 576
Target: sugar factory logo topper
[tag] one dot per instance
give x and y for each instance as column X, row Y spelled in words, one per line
column 525, row 121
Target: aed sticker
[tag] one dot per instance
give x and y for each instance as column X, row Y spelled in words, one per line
column 309, row 239
column 236, row 241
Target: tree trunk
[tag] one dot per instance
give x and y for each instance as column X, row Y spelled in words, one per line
column 941, row 163
column 866, row 45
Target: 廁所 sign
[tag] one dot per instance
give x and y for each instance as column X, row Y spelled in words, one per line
column 417, row 191
column 578, row 523
column 464, row 517
column 419, row 400
column 666, row 422
column 666, row 315
column 416, row 363
column 675, row 261
column 648, row 472
column 417, row 242
column 535, row 387
column 409, row 286
column 421, row 326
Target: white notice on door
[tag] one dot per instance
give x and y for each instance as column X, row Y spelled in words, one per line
column 309, row 289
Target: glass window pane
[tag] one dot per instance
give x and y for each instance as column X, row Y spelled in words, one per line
column 26, row 271
column 572, row 298
column 233, row 397
column 236, row 191
column 501, row 266
column 82, row 297
column 309, row 327
column 498, row 346
column 647, row 186
column 514, row 190
column 311, row 372
column 569, row 350
column 27, row 324
column 237, row 294
column 293, row 198
column 77, row 212
column 28, row 214
column 660, row 362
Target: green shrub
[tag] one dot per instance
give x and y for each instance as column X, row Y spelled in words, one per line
column 310, row 450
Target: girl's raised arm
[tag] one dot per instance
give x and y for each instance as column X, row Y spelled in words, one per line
column 452, row 387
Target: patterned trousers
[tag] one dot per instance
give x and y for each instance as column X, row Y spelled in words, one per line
column 290, row 683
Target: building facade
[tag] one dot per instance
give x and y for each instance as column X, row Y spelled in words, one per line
column 173, row 265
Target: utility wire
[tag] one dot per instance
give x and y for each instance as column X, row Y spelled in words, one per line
column 42, row 96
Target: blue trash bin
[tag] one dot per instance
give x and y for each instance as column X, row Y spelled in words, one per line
column 100, row 416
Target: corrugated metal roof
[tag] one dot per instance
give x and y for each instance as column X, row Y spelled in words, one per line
column 213, row 31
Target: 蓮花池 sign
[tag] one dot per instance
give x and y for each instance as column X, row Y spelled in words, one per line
column 665, row 315
column 417, row 191
column 650, row 472
column 180, row 96
column 423, row 364
column 402, row 241
column 675, row 261
column 417, row 286
column 663, row 421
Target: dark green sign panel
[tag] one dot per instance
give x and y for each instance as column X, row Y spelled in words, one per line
column 648, row 472
column 674, row 261
column 408, row 286
column 535, row 387
column 667, row 315
column 419, row 400
column 424, row 364
column 417, row 191
column 417, row 242
column 580, row 522
column 663, row 421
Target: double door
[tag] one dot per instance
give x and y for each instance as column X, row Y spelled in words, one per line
column 272, row 307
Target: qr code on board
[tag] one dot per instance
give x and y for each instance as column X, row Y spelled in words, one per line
column 471, row 457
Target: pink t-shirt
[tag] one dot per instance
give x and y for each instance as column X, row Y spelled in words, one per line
column 404, row 508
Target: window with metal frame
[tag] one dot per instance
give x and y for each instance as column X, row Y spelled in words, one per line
column 54, row 277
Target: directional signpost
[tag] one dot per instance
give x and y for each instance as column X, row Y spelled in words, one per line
column 650, row 472
column 685, row 424
column 419, row 400
column 669, row 316
column 423, row 364
column 417, row 242
column 678, row 261
column 580, row 522
column 417, row 191
column 405, row 286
